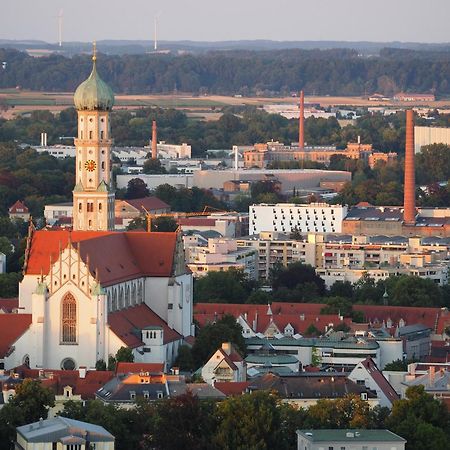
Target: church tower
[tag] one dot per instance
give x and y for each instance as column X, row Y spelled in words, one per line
column 93, row 196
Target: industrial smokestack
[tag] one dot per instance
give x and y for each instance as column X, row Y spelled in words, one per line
column 301, row 123
column 154, row 141
column 409, row 203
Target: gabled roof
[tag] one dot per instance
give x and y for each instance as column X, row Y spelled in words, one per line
column 127, row 324
column 132, row 367
column 309, row 385
column 57, row 380
column 149, row 203
column 230, row 388
column 379, row 379
column 18, row 208
column 300, row 316
column 227, row 359
column 12, row 326
column 118, row 256
column 410, row 315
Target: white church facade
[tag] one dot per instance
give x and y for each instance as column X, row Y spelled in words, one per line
column 88, row 292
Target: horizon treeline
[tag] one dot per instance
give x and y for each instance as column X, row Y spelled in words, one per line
column 274, row 72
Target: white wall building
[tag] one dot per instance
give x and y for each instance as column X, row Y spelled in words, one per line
column 286, row 217
column 173, row 151
column 153, row 181
column 430, row 135
column 2, row 262
column 274, row 247
column 226, row 364
column 437, row 272
column 220, row 255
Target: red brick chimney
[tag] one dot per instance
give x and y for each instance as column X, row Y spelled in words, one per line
column 301, row 123
column 154, row 141
column 409, row 203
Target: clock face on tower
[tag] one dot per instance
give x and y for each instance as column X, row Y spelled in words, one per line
column 90, row 165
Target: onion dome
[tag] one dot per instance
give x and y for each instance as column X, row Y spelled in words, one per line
column 94, row 94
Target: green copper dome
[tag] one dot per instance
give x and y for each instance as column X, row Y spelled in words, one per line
column 94, row 93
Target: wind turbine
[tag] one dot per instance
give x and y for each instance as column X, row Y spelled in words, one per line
column 60, row 25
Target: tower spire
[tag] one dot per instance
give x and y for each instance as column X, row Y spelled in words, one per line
column 94, row 51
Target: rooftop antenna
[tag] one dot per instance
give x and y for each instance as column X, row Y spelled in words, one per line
column 60, row 25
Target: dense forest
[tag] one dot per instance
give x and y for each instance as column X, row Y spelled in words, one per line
column 321, row 72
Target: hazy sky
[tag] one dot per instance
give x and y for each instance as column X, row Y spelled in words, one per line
column 201, row 20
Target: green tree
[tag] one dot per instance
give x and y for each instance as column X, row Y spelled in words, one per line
column 153, row 166
column 162, row 224
column 229, row 286
column 100, row 365
column 422, row 420
column 211, row 336
column 136, row 189
column 185, row 360
column 124, row 354
column 30, row 403
column 250, row 422
column 181, row 422
column 415, row 291
column 347, row 412
column 9, row 284
column 300, row 279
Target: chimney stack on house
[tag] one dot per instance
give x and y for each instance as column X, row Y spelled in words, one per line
column 301, row 124
column 409, row 204
column 154, row 141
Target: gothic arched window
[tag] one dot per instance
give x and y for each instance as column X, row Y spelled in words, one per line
column 69, row 319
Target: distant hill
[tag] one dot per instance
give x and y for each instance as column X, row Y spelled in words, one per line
column 213, row 70
column 138, row 46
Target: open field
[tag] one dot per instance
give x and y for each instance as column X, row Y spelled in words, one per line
column 16, row 102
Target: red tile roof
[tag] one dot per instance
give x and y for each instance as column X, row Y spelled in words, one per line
column 379, row 379
column 127, row 367
column 12, row 326
column 411, row 315
column 299, row 315
column 18, row 208
column 128, row 323
column 149, row 203
column 118, row 256
column 231, row 388
column 59, row 379
column 8, row 304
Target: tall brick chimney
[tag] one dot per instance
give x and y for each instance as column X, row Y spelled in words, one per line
column 409, row 203
column 301, row 123
column 154, row 141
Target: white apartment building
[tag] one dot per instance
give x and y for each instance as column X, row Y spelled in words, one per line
column 172, row 151
column 58, row 151
column 277, row 248
column 436, row 272
column 221, row 254
column 286, row 217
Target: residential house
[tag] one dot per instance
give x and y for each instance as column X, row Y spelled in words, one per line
column 305, row 389
column 366, row 373
column 353, row 439
column 61, row 433
column 19, row 211
column 226, row 364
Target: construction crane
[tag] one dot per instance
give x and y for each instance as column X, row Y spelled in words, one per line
column 207, row 210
